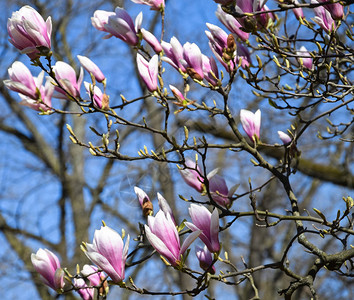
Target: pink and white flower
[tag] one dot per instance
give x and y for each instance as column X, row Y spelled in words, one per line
column 29, row 32
column 205, row 259
column 118, row 24
column 207, row 223
column 323, row 18
column 218, row 189
column 66, row 76
column 148, row 71
column 154, row 4
column 109, row 253
column 286, row 139
column 192, row 175
column 251, row 123
column 30, row 88
column 47, row 265
column 151, row 40
column 163, row 236
column 91, row 67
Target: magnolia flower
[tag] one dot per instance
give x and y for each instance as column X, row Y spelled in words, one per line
column 118, row 24
column 155, row 4
column 91, row 67
column 251, row 123
column 95, row 278
column 100, row 100
column 305, row 57
column 323, row 18
column 192, row 175
column 210, row 70
column 108, row 252
column 193, row 60
column 165, row 207
column 84, row 292
column 250, row 6
column 224, row 48
column 231, row 23
column 177, row 93
column 44, row 102
column 163, row 236
column 286, row 139
column 22, row 81
column 173, row 54
column 100, row 19
column 218, row 189
column 66, row 76
column 151, row 40
column 335, row 9
column 207, row 223
column 47, row 265
column 148, row 71
column 30, row 89
column 205, row 259
column 29, row 32
column 144, row 201
column 297, row 11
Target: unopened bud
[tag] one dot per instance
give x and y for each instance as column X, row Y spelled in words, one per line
column 105, row 101
column 231, row 44
column 147, row 208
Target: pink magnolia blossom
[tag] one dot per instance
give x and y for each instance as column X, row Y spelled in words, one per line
column 100, row 19
column 265, row 17
column 165, row 207
column 177, row 93
column 30, row 89
column 109, row 253
column 91, row 67
column 92, row 274
column 144, row 201
column 305, row 57
column 286, row 139
column 154, row 4
column 218, row 42
column 95, row 278
column 218, row 189
column 250, row 6
column 251, row 123
column 163, row 236
column 151, row 40
column 205, row 259
column 118, row 24
column 84, row 292
column 208, row 223
column 231, row 24
column 335, row 9
column 148, row 71
column 47, row 265
column 192, row 59
column 22, row 81
column 297, row 11
column 44, row 102
column 173, row 54
column 29, row 32
column 323, row 18
column 210, row 70
column 66, row 76
column 192, row 175
column 96, row 94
